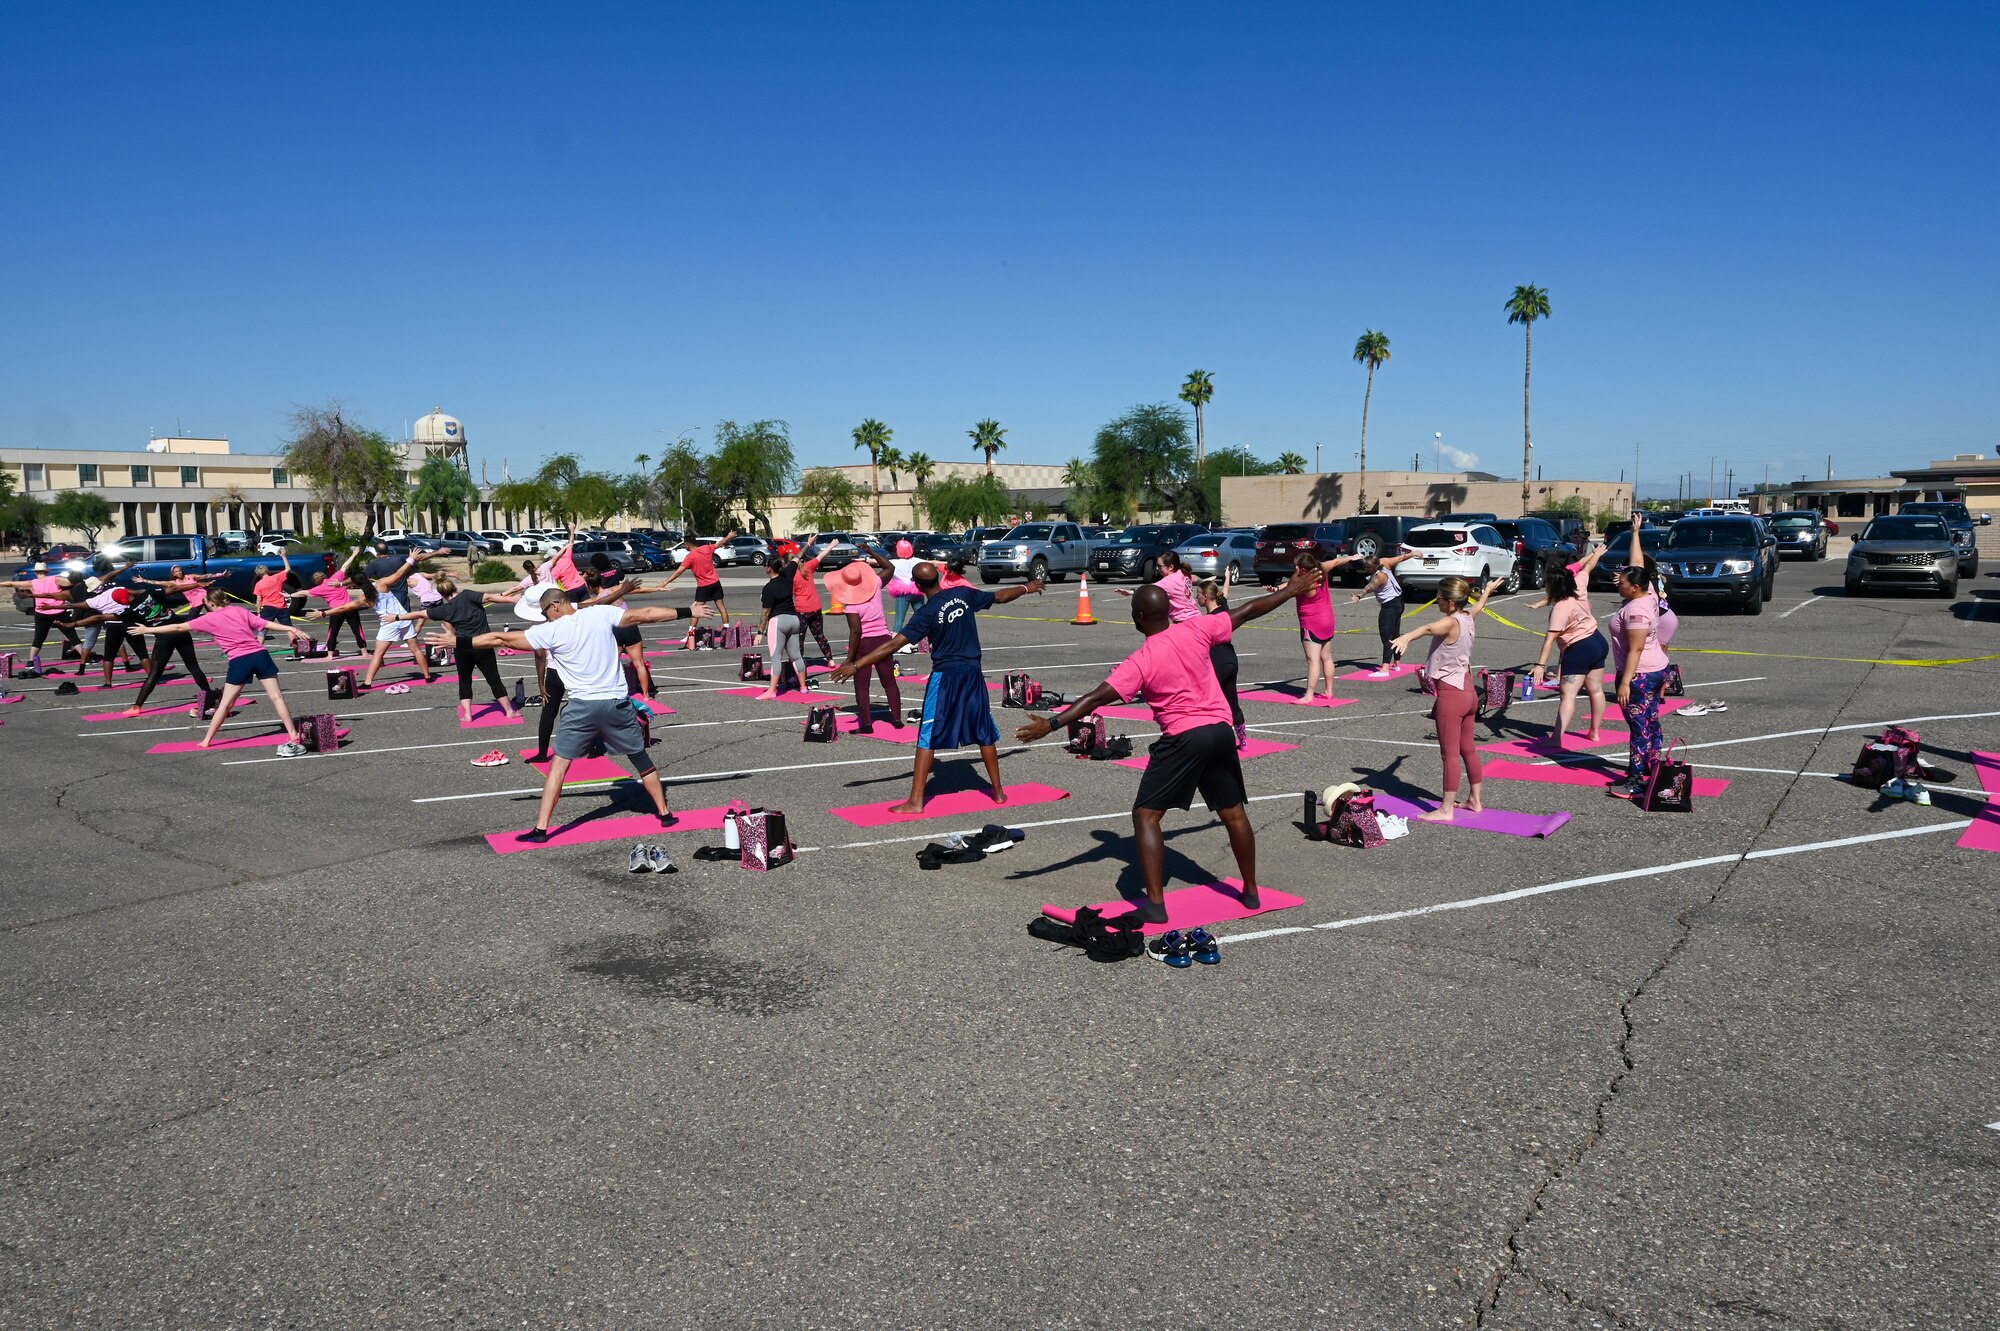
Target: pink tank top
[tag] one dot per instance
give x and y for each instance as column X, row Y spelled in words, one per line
column 1450, row 662
column 1316, row 612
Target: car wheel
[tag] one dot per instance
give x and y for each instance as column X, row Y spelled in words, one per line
column 1038, row 569
column 1367, row 546
column 1755, row 604
column 1149, row 570
column 1513, row 582
column 989, row 578
column 1234, row 572
column 1949, row 590
column 1853, row 586
column 757, row 558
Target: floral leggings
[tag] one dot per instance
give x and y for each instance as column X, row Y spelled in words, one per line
column 1642, row 714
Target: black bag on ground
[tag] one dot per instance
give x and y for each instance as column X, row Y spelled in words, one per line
column 1670, row 787
column 751, row 667
column 822, row 725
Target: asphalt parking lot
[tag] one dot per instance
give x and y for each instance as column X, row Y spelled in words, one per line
column 292, row 1046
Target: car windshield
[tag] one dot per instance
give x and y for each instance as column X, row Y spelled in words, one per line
column 1437, row 538
column 1955, row 512
column 1701, row 534
column 1907, row 529
column 1136, row 536
column 1791, row 521
column 1031, row 531
column 1286, row 532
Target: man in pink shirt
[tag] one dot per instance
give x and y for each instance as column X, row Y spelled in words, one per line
column 700, row 561
column 1196, row 751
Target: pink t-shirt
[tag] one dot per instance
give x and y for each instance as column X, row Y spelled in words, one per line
column 196, row 596
column 426, row 591
column 1316, row 612
column 1173, row 673
column 873, row 625
column 805, row 594
column 49, row 598
column 235, row 630
column 1638, row 618
column 1571, row 620
column 947, row 579
column 334, row 591
column 270, row 590
column 1179, row 588
column 1449, row 666
column 700, row 561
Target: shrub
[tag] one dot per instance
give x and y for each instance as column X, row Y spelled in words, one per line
column 494, row 570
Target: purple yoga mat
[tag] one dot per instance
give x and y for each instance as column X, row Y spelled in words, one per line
column 1504, row 821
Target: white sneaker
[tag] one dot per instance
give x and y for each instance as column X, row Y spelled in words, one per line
column 293, row 750
column 1378, row 674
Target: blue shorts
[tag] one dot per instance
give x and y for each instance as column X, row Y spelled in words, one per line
column 257, row 665
column 1580, row 658
column 957, row 710
column 275, row 614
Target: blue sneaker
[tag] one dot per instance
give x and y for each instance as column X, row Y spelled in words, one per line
column 1174, row 950
column 1206, row 950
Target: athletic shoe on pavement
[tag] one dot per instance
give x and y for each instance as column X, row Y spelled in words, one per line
column 1173, row 949
column 292, row 750
column 1204, row 947
column 659, row 861
column 636, row 861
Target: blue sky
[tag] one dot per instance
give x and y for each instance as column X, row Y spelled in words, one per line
column 1767, row 232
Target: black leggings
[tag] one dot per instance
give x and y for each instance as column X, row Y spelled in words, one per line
column 1389, row 624
column 485, row 661
column 815, row 624
column 44, row 623
column 164, row 646
column 1222, row 656
column 552, row 696
column 336, row 620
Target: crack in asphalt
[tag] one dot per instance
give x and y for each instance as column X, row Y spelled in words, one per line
column 1513, row 1262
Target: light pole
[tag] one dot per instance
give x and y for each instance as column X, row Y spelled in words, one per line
column 1437, row 451
column 1315, row 455
column 680, row 486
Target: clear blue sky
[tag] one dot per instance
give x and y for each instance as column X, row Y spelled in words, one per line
column 1768, row 232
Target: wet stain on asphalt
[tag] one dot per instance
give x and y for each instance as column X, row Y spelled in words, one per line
column 675, row 966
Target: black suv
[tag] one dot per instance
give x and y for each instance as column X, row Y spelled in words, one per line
column 1730, row 559
column 1135, row 552
column 1964, row 537
column 1281, row 543
column 1539, row 546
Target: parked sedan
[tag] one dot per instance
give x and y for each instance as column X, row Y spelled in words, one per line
column 1225, row 553
column 1472, row 551
column 1801, row 532
column 1904, row 552
column 743, row 550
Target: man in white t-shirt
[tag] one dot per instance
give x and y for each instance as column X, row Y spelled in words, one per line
column 582, row 646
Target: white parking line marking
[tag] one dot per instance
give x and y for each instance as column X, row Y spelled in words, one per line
column 1800, row 606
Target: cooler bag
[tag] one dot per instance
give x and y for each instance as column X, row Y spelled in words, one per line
column 766, row 843
column 822, row 725
column 6, row 665
column 1353, row 821
column 751, row 667
column 1496, row 689
column 1670, row 786
column 302, row 651
column 1089, row 738
column 320, row 734
column 340, row 685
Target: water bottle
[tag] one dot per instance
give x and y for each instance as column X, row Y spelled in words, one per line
column 1528, row 687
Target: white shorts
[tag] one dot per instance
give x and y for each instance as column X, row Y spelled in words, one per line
column 392, row 630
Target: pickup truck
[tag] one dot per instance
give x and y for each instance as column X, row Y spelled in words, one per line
column 1036, row 550
column 157, row 556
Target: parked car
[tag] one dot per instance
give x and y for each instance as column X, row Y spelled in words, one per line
column 1904, row 551
column 1604, row 576
column 1467, row 519
column 1135, row 552
column 936, row 545
column 494, row 541
column 386, row 534
column 969, row 544
column 1728, row 558
column 1231, row 554
column 743, row 550
column 1540, row 545
column 1036, row 550
column 612, row 549
column 1963, row 536
column 1378, row 534
column 1801, row 532
column 1282, row 542
column 1573, row 529
column 835, row 549
column 63, row 558
column 458, row 542
column 1473, row 551
column 277, row 545
column 156, row 556
column 403, row 545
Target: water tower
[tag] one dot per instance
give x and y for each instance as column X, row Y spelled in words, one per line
column 440, row 435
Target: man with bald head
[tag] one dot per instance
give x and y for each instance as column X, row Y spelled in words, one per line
column 957, row 710
column 1196, row 751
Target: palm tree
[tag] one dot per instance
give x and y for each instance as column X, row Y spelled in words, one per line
column 1526, row 305
column 987, row 437
column 895, row 463
column 1076, row 472
column 874, row 436
column 1197, row 393
column 1370, row 349
column 1291, row 464
column 920, row 467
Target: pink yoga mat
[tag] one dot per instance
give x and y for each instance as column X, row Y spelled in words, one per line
column 957, row 804
column 1120, row 712
column 230, row 742
column 171, row 709
column 489, row 716
column 169, row 681
column 1583, row 776
column 892, row 734
column 798, row 697
column 1188, row 907
column 1400, row 671
column 636, row 826
column 413, row 679
column 586, row 769
column 1274, row 695
column 1542, row 748
column 1984, row 834
column 1503, row 821
column 1256, row 748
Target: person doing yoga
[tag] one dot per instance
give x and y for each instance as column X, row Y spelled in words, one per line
column 240, row 635
column 1316, row 623
column 1449, row 670
column 464, row 612
column 1196, row 751
column 1388, row 594
column 1580, row 649
column 343, row 607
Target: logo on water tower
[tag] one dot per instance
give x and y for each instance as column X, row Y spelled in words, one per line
column 451, row 427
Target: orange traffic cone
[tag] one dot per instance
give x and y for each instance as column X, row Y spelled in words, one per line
column 1083, row 615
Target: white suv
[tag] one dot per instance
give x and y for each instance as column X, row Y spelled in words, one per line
column 1473, row 551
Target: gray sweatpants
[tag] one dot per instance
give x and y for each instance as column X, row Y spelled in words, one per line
column 788, row 647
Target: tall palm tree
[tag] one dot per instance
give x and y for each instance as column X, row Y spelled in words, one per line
column 920, row 467
column 1526, row 305
column 1370, row 349
column 894, row 462
column 874, row 436
column 1076, row 472
column 1292, row 464
column 987, row 437
column 1197, row 392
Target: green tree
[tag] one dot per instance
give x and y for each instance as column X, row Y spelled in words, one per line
column 828, row 500
column 443, row 491
column 1291, row 464
column 520, row 500
column 345, row 463
column 874, row 436
column 596, row 497
column 683, row 480
column 1145, row 461
column 987, row 437
column 751, row 465
column 895, row 464
column 1198, row 392
column 957, row 503
column 1527, row 304
column 24, row 520
column 1208, row 487
column 1372, row 350
column 81, row 511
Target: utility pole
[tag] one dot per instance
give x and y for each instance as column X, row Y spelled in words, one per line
column 1437, row 452
column 1316, row 455
column 1711, row 480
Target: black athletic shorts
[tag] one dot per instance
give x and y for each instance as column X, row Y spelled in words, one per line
column 1203, row 759
column 626, row 635
column 708, row 591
